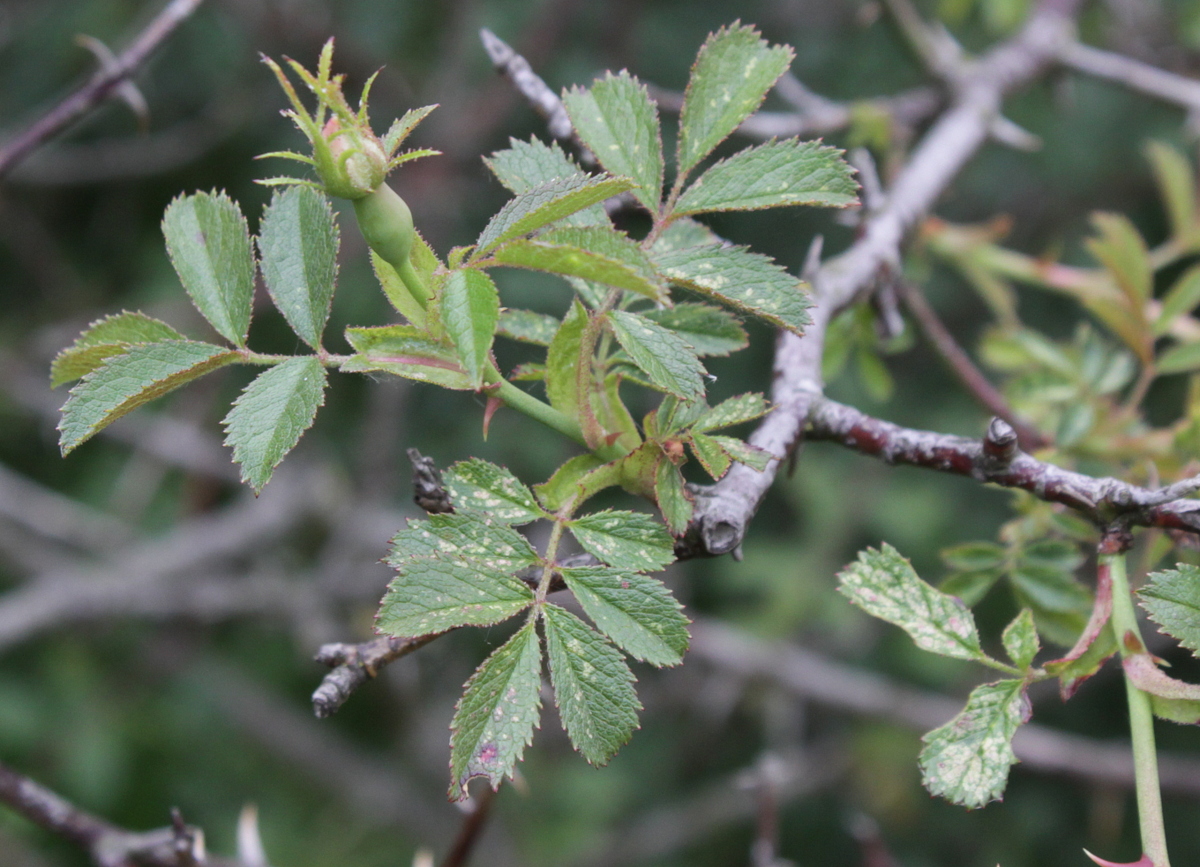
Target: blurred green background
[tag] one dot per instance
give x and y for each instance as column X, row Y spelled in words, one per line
column 130, row 693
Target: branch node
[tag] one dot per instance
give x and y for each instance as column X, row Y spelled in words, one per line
column 1000, row 443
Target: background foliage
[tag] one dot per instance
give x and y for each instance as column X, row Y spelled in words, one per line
column 130, row 714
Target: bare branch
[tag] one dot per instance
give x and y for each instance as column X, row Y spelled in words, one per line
column 177, row 845
column 355, row 664
column 530, row 85
column 1133, row 74
column 105, row 82
column 472, row 827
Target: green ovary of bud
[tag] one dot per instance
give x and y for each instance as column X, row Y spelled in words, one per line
column 387, row 225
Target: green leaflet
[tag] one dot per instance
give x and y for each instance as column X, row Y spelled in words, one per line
column 673, row 499
column 1172, row 599
column 562, row 361
column 625, row 540
column 732, row 74
column 527, row 326
column 495, row 718
column 773, row 175
column 479, row 486
column 111, row 335
column 493, row 547
column 661, row 353
column 271, row 414
column 575, row 479
column 616, row 118
column 735, row 410
column 544, row 204
column 1021, row 639
column 1122, row 251
column 593, row 687
column 597, row 254
column 637, row 612
column 1177, row 185
column 470, row 308
column 136, row 377
column 405, row 351
column 744, row 453
column 683, row 233
column 209, row 245
column 746, row 281
column 433, row 594
column 708, row 330
column 715, row 460
column 1181, row 298
column 298, row 243
column 966, row 761
column 403, row 126
column 885, row 585
column 525, row 165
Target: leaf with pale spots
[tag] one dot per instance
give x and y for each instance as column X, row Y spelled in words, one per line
column 885, row 585
column 616, row 118
column 746, row 281
column 772, row 175
column 735, row 410
column 496, row 716
column 491, row 546
column 966, row 761
column 1021, row 639
column 478, row 486
column 715, row 460
column 743, row 452
column 271, row 415
column 598, row 254
column 593, row 686
column 670, row 363
column 527, row 326
column 732, row 74
column 625, row 540
column 433, row 594
column 638, row 613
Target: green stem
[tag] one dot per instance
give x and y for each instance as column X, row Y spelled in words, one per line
column 1141, row 719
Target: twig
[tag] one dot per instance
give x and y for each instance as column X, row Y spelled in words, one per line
column 819, row 679
column 1133, row 74
column 355, row 664
column 724, row 510
column 472, row 827
column 960, row 363
column 177, row 845
column 530, row 85
column 996, row 460
column 102, row 84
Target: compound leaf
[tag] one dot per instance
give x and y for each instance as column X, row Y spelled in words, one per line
column 137, row 376
column 544, row 204
column 479, row 486
column 209, row 245
column 670, row 363
column 470, row 307
column 616, row 118
column 593, row 686
column 730, row 78
column 298, row 243
column 746, row 281
column 772, row 175
column 966, row 761
column 495, row 718
column 625, row 540
column 105, row 337
column 885, row 585
column 637, row 612
column 271, row 414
